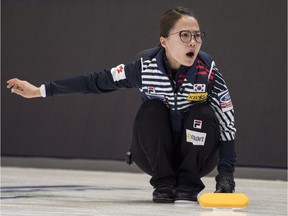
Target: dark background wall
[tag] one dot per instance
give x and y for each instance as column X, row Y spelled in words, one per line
column 48, row 40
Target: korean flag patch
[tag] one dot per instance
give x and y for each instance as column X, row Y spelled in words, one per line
column 199, row 88
column 118, row 73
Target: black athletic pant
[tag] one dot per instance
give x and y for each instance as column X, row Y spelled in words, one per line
column 174, row 157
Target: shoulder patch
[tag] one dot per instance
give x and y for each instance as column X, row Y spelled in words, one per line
column 118, row 73
column 225, row 101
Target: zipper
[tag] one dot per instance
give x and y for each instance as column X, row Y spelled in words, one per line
column 175, row 100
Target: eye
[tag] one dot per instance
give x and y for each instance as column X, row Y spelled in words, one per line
column 198, row 35
column 185, row 35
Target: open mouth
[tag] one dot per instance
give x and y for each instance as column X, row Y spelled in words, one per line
column 190, row 54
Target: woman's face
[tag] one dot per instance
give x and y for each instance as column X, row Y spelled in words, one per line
column 178, row 52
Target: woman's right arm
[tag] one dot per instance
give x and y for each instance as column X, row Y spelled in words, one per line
column 122, row 76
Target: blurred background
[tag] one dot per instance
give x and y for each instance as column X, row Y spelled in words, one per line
column 49, row 40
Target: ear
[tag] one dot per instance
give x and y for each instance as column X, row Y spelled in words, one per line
column 163, row 41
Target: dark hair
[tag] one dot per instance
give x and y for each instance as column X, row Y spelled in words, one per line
column 170, row 17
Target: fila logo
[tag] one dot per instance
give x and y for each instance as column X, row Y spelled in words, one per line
column 197, row 124
column 149, row 89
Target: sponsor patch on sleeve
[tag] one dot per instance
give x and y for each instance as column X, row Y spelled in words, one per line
column 118, row 73
column 225, row 101
column 196, row 138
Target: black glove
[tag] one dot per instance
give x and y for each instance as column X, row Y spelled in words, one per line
column 225, row 184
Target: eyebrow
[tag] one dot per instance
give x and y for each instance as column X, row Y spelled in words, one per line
column 184, row 31
column 189, row 30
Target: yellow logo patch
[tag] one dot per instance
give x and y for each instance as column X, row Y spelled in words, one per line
column 197, row 96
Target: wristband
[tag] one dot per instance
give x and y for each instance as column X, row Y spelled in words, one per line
column 43, row 90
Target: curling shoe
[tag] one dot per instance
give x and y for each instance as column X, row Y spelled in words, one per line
column 163, row 194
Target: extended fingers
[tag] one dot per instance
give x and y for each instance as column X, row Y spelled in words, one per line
column 12, row 82
column 15, row 85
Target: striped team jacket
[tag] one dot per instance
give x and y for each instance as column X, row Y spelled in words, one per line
column 203, row 83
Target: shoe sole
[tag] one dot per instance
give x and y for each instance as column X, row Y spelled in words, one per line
column 185, row 202
column 163, row 200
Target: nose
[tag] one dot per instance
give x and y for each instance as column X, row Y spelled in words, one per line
column 192, row 42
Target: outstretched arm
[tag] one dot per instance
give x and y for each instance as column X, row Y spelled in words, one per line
column 23, row 88
column 122, row 76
